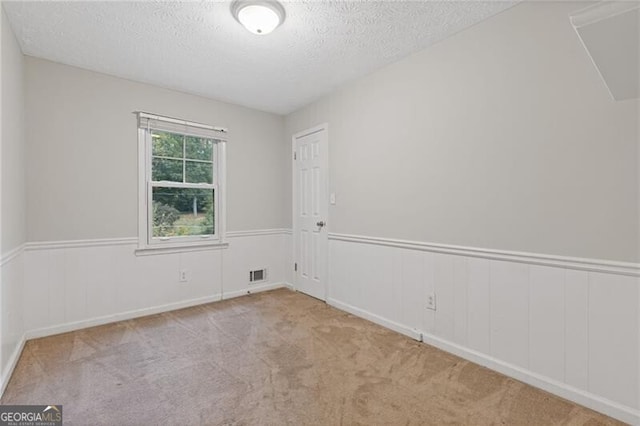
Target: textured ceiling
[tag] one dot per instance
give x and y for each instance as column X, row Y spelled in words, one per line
column 198, row 47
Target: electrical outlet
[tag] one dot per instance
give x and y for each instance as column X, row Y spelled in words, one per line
column 184, row 275
column 431, row 301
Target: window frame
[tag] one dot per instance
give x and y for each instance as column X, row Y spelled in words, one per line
column 147, row 244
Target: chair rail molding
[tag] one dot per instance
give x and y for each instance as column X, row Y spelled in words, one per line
column 577, row 263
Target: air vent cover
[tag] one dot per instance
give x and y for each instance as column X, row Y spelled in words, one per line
column 257, row 275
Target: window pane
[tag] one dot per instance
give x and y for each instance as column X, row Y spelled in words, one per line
column 163, row 169
column 199, row 172
column 199, row 148
column 182, row 212
column 167, row 144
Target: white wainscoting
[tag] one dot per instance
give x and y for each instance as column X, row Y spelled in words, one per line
column 11, row 320
column 250, row 250
column 567, row 325
column 60, row 286
column 76, row 284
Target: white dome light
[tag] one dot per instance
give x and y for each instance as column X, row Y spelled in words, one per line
column 259, row 17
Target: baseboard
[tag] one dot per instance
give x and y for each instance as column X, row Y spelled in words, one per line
column 392, row 325
column 13, row 361
column 610, row 408
column 253, row 289
column 107, row 319
column 586, row 399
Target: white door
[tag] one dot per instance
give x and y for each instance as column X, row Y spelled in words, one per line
column 310, row 210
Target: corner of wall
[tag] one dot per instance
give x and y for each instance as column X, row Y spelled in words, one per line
column 12, row 200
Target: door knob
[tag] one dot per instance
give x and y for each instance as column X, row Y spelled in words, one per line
column 321, row 224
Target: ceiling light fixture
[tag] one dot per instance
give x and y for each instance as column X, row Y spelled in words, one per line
column 258, row 16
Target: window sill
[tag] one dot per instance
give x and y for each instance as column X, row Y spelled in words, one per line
column 183, row 248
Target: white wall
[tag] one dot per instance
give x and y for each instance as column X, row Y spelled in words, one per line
column 80, row 262
column 566, row 327
column 502, row 136
column 83, row 283
column 12, row 199
column 82, row 150
column 13, row 146
column 499, row 140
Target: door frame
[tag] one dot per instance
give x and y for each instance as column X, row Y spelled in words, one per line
column 294, row 203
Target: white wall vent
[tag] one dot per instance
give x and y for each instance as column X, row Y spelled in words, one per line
column 257, row 275
column 609, row 30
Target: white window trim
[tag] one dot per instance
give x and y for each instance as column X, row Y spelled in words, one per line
column 179, row 244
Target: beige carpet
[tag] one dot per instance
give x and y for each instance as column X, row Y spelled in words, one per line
column 274, row 358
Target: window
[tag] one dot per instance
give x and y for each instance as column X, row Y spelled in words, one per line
column 181, row 183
